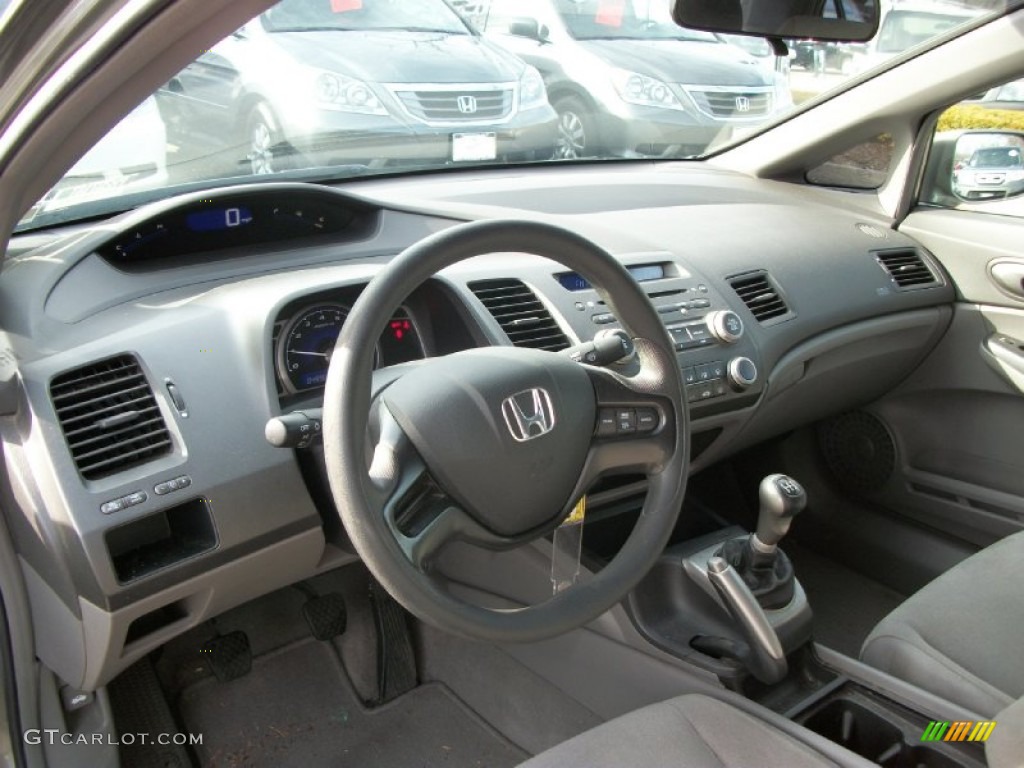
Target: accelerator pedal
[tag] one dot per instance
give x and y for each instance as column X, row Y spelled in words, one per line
column 229, row 656
column 396, row 659
column 326, row 615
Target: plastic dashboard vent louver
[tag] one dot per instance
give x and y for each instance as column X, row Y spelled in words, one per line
column 525, row 320
column 762, row 298
column 906, row 268
column 109, row 417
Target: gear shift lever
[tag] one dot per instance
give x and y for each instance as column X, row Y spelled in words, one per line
column 782, row 498
column 756, row 558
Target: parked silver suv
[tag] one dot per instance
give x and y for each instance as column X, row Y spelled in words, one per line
column 628, row 82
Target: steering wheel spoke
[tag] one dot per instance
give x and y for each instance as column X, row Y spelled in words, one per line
column 635, row 429
column 421, row 516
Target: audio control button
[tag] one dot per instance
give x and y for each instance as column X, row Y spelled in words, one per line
column 646, row 419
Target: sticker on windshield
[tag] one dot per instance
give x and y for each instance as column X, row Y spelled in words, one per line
column 610, row 12
column 343, row 6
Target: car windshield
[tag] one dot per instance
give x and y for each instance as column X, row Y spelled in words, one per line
column 338, row 89
column 996, row 157
column 903, row 29
column 603, row 20
column 344, row 15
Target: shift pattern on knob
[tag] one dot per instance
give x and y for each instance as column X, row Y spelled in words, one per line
column 782, row 498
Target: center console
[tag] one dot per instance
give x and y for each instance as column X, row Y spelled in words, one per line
column 729, row 602
column 716, row 354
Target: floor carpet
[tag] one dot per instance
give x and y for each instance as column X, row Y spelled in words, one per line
column 846, row 604
column 297, row 708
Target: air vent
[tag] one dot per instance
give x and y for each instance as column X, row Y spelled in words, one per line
column 109, row 417
column 762, row 298
column 906, row 268
column 519, row 312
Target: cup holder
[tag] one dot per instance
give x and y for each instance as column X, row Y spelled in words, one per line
column 870, row 734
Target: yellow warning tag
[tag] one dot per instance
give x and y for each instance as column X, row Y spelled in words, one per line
column 578, row 512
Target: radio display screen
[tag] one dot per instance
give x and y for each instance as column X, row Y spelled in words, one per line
column 642, row 273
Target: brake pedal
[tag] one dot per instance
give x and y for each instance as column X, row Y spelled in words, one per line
column 229, row 656
column 326, row 615
column 396, row 659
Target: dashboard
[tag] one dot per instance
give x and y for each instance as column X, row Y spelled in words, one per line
column 152, row 350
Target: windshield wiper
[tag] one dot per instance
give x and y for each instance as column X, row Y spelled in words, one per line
column 436, row 30
column 323, row 28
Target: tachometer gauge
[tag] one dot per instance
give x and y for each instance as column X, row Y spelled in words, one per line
column 304, row 351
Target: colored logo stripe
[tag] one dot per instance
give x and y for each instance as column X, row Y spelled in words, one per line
column 982, row 731
column 959, row 730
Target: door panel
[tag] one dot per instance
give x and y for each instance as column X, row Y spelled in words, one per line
column 957, row 422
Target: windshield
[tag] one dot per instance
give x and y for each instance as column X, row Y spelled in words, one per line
column 995, row 157
column 338, row 89
column 305, row 16
column 901, row 29
column 603, row 20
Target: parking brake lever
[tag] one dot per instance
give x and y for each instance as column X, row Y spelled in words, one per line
column 765, row 658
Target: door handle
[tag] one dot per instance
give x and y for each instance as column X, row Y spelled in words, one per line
column 1008, row 275
column 1006, row 355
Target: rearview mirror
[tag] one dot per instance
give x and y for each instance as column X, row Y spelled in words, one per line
column 839, row 20
column 988, row 165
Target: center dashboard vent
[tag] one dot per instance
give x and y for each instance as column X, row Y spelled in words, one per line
column 525, row 320
column 109, row 416
column 759, row 293
column 906, row 268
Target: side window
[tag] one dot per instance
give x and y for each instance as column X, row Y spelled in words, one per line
column 977, row 157
column 864, row 166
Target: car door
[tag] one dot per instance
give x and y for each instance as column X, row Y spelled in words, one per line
column 956, row 424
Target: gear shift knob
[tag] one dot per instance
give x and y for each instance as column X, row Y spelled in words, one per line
column 782, row 498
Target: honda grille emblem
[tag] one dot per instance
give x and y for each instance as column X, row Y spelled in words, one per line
column 529, row 414
column 742, row 104
column 467, row 105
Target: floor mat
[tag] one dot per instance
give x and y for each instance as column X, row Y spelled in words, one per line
column 846, row 604
column 297, row 708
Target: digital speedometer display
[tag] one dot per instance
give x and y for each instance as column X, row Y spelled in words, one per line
column 217, row 219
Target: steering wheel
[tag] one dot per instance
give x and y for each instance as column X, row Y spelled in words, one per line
column 494, row 446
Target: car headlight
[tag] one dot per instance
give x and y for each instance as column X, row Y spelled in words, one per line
column 646, row 91
column 532, row 92
column 346, row 94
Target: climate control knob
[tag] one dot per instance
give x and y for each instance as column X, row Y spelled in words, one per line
column 725, row 325
column 742, row 373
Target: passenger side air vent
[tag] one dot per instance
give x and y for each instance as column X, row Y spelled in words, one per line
column 109, row 417
column 759, row 293
column 906, row 268
column 525, row 320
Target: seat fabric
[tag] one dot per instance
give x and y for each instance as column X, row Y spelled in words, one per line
column 691, row 731
column 960, row 636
